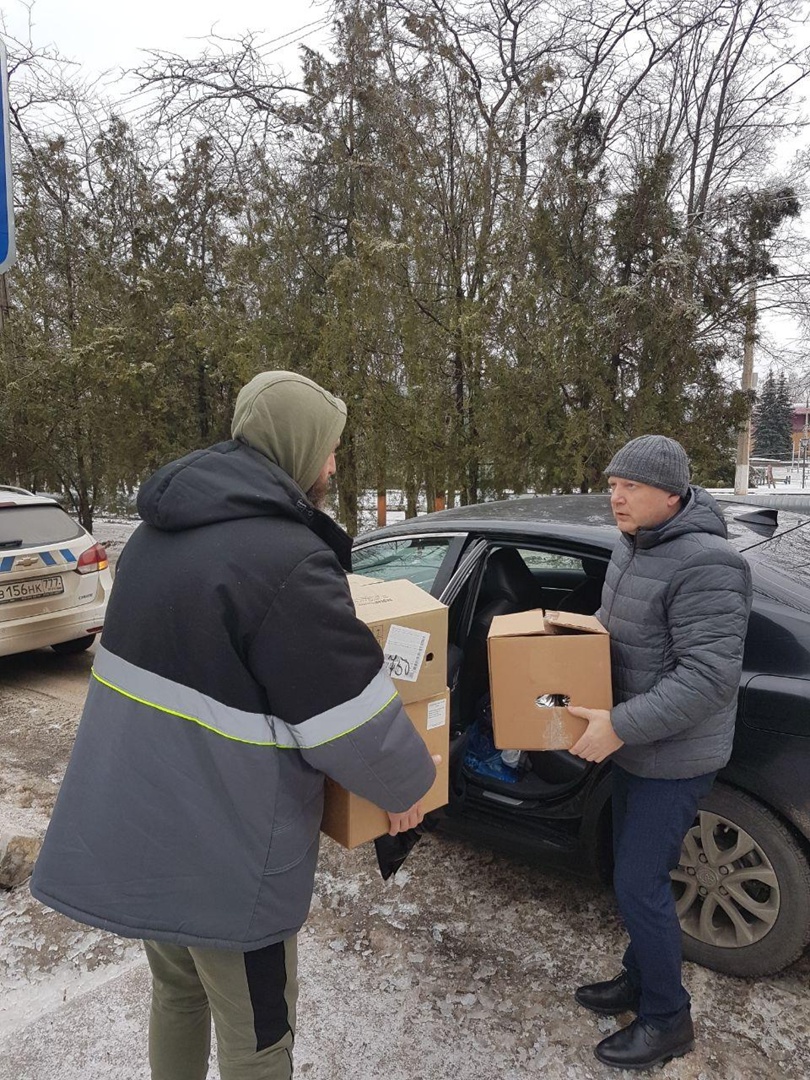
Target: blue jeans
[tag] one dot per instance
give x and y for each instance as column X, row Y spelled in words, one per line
column 650, row 819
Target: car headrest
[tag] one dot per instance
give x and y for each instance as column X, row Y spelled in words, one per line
column 594, row 568
column 507, row 577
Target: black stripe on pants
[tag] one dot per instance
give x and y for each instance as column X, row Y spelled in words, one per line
column 267, row 979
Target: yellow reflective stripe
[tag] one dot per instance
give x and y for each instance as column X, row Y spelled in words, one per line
column 235, row 738
column 182, row 716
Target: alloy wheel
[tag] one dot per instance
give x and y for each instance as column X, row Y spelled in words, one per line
column 727, row 893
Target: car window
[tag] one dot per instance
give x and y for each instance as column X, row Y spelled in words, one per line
column 549, row 560
column 32, row 526
column 416, row 558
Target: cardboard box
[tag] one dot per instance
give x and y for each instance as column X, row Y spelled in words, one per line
column 350, row 820
column 411, row 627
column 534, row 653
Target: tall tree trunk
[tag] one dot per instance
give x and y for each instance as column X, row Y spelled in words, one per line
column 347, row 484
column 430, row 491
column 203, row 417
column 411, row 497
column 84, row 505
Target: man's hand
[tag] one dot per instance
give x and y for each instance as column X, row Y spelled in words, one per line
column 410, row 818
column 599, row 740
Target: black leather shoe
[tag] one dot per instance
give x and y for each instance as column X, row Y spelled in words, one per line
column 640, row 1046
column 609, row 998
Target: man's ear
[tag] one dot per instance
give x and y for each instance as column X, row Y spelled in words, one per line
column 673, row 501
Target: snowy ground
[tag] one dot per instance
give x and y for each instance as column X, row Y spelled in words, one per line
column 462, row 968
column 792, row 489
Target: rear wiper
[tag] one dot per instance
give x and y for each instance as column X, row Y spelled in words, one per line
column 10, row 543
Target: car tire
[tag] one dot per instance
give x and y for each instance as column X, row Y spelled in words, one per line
column 77, row 645
column 742, row 888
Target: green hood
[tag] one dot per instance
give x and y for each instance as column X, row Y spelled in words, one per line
column 291, row 420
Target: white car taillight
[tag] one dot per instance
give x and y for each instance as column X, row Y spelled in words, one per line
column 92, row 560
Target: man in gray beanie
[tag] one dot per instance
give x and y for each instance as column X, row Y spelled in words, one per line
column 676, row 601
column 232, row 676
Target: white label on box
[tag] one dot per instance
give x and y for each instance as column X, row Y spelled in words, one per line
column 404, row 651
column 436, row 714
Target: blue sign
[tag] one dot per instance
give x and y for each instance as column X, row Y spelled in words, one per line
column 8, row 252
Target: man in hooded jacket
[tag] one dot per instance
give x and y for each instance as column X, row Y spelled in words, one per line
column 676, row 602
column 232, row 675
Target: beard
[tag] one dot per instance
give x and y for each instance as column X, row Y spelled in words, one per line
column 318, row 492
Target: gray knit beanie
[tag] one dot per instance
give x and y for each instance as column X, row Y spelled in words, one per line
column 294, row 422
column 654, row 460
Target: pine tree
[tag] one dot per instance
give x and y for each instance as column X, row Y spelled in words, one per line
column 772, row 418
column 785, row 401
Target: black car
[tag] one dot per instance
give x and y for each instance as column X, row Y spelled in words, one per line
column 743, row 884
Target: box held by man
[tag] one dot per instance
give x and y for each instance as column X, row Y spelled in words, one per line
column 537, row 660
column 350, row 820
column 411, row 628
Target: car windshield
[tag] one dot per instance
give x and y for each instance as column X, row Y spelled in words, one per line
column 34, row 526
column 416, row 558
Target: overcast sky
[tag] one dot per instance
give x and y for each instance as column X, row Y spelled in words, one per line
column 104, row 34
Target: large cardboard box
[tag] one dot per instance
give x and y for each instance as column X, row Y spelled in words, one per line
column 538, row 653
column 350, row 820
column 411, row 627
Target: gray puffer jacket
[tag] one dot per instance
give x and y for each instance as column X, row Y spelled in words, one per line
column 676, row 602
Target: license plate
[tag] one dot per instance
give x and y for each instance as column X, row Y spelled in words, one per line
column 31, row 590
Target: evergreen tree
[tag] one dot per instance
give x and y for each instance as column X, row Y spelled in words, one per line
column 507, row 250
column 773, row 419
column 785, row 401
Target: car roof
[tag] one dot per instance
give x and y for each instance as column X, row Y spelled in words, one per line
column 542, row 514
column 586, row 518
column 14, row 496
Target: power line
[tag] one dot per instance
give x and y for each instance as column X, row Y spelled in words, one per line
column 318, row 24
column 311, row 28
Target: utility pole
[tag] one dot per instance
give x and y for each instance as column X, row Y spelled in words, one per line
column 7, row 245
column 744, row 437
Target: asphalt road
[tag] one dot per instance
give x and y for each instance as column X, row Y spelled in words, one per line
column 462, row 968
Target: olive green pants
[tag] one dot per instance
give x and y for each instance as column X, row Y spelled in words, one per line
column 251, row 997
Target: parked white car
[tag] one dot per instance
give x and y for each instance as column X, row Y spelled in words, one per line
column 55, row 579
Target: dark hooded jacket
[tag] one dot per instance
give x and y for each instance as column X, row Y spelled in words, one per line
column 676, row 602
column 232, row 674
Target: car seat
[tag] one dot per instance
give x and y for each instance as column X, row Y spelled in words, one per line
column 585, row 598
column 507, row 586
